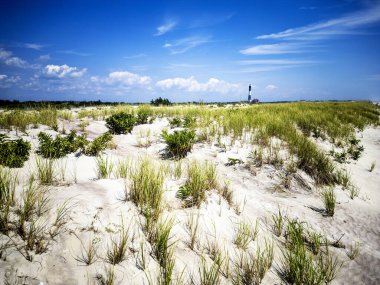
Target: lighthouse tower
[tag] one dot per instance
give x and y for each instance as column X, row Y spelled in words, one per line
column 249, row 93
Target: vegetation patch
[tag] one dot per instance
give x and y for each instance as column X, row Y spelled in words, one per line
column 121, row 123
column 179, row 143
column 200, row 178
column 13, row 153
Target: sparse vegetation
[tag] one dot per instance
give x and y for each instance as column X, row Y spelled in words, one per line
column 45, row 168
column 278, row 222
column 250, row 268
column 372, row 167
column 200, row 178
column 329, row 200
column 104, row 166
column 118, row 246
column 146, row 191
column 192, row 224
column 244, row 234
column 354, row 250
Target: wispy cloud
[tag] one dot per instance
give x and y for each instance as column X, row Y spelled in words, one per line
column 139, row 55
column 7, row 58
column 34, row 46
column 348, row 24
column 185, row 44
column 44, row 57
column 73, row 52
column 374, row 77
column 279, row 48
column 277, row 62
column 184, row 65
column 166, row 27
column 271, row 87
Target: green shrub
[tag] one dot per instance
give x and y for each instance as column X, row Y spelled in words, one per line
column 13, row 153
column 121, row 123
column 60, row 146
column 142, row 116
column 189, row 122
column 175, row 122
column 98, row 144
column 179, row 143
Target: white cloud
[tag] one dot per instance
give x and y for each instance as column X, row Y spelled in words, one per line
column 281, row 48
column 64, row 70
column 128, row 78
column 44, row 57
column 339, row 26
column 34, row 46
column 271, row 87
column 3, row 76
column 7, row 58
column 185, row 44
column 163, row 29
column 192, row 85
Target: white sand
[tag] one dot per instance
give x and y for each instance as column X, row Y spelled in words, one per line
column 98, row 210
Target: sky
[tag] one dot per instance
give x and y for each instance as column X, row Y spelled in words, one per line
column 135, row 51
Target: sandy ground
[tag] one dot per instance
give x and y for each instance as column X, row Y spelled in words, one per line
column 97, row 212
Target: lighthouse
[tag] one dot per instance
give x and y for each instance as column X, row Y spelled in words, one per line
column 249, row 93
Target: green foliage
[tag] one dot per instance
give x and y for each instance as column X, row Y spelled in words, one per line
column 143, row 115
column 179, row 143
column 60, row 146
column 121, row 123
column 175, row 122
column 98, row 144
column 160, row 101
column 13, row 153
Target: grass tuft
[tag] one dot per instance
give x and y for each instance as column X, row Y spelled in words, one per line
column 329, row 200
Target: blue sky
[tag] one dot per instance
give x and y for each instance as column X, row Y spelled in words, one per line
column 135, row 51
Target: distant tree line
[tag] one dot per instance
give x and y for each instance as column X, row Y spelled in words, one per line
column 160, row 101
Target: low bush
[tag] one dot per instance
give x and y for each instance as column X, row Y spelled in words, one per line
column 13, row 153
column 60, row 146
column 175, row 122
column 179, row 143
column 98, row 144
column 121, row 123
column 143, row 115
